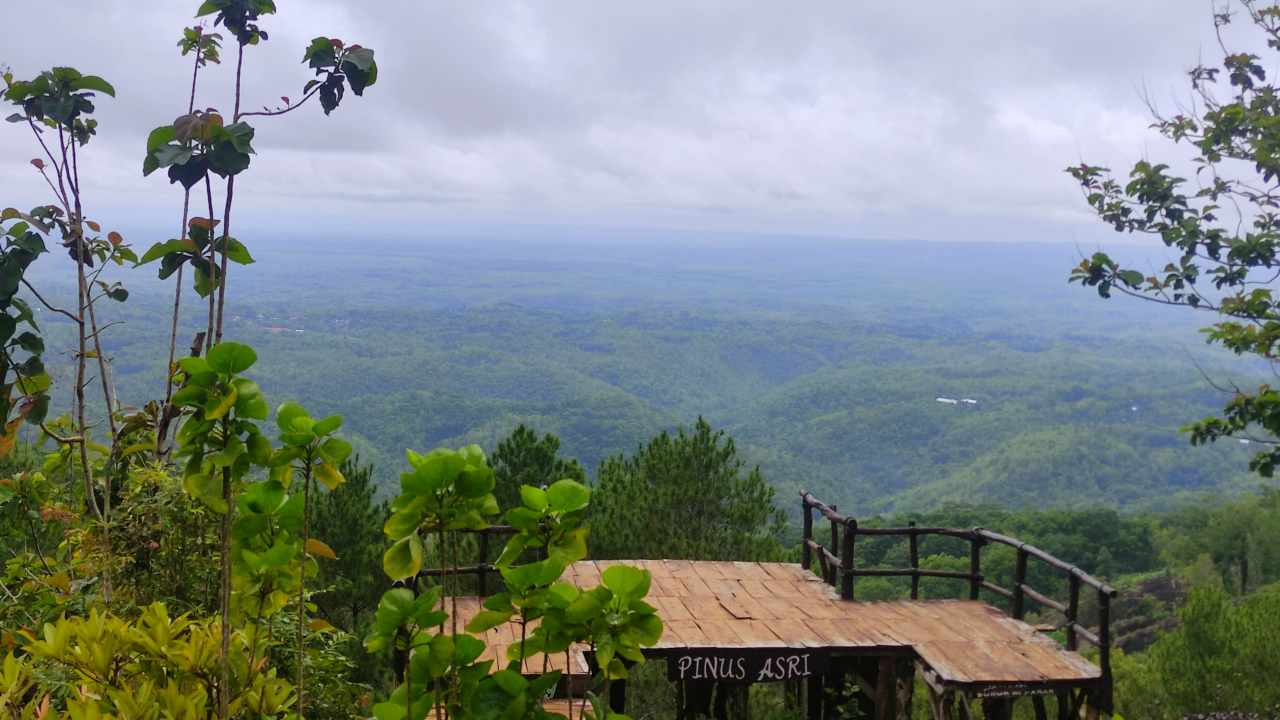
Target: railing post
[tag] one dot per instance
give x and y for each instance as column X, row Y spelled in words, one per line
column 835, row 546
column 482, row 584
column 1104, row 648
column 913, row 539
column 1073, row 610
column 806, row 554
column 835, row 532
column 975, row 564
column 1019, row 580
column 846, row 558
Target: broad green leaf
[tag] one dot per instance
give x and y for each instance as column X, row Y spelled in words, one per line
column 93, row 82
column 231, row 358
column 287, row 413
column 474, row 482
column 327, row 425
column 627, row 582
column 207, row 489
column 533, row 498
column 486, row 620
column 334, row 449
column 403, row 559
column 568, row 496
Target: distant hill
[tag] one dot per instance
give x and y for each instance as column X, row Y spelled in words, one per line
column 823, row 358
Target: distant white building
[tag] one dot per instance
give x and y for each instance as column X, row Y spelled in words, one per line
column 947, row 401
column 968, row 401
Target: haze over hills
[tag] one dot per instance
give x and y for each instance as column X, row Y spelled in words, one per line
column 823, row 358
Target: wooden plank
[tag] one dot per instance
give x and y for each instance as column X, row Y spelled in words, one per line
column 671, row 608
column 719, row 632
column 733, row 607
column 691, row 634
column 757, row 633
column 694, row 586
column 758, row 589
column 680, row 568
column 723, row 586
column 752, row 571
column 796, row 633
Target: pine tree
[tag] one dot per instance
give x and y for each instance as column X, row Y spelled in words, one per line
column 686, row 495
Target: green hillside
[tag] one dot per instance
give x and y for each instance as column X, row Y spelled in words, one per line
column 822, row 358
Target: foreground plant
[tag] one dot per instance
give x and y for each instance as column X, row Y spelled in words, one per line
column 1224, row 232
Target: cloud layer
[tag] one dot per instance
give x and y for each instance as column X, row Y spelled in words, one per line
column 931, row 120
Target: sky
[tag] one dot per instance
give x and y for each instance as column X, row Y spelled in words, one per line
column 840, row 118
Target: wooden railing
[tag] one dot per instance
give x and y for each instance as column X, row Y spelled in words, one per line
column 483, row 568
column 837, row 565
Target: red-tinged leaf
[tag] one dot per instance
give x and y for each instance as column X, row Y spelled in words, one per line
column 284, row 99
column 38, row 163
column 115, row 238
column 199, row 222
column 93, row 225
column 336, row 43
column 316, row 548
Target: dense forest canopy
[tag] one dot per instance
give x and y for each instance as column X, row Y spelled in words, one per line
column 825, row 376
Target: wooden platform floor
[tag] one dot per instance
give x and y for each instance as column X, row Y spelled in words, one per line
column 738, row 605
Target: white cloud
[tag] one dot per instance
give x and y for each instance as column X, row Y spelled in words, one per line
column 939, row 120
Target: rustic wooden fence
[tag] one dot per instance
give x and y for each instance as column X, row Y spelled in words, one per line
column 838, row 566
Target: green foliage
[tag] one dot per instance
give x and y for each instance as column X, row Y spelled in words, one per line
column 1240, row 538
column 712, row 509
column 1222, row 659
column 1224, row 233
column 447, row 492
column 114, row 667
column 334, row 63
column 24, row 384
column 61, row 97
column 522, row 458
column 350, row 521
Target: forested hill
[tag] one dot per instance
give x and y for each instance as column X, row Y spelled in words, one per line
column 822, row 358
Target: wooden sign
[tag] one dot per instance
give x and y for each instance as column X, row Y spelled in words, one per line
column 1012, row 690
column 745, row 666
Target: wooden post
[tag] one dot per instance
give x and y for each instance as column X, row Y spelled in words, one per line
column 846, row 559
column 886, row 686
column 1066, row 708
column 1073, row 611
column 618, row 696
column 905, row 682
column 813, row 697
column 975, row 565
column 913, row 540
column 1104, row 649
column 1019, row 580
column 835, row 534
column 806, row 554
column 482, row 584
column 1037, row 702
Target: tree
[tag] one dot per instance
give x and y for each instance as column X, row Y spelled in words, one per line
column 351, row 522
column 1225, row 232
column 524, row 459
column 1221, row 659
column 686, row 495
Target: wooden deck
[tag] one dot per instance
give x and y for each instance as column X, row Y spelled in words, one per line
column 961, row 644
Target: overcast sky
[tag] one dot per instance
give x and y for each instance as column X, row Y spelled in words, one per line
column 935, row 120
